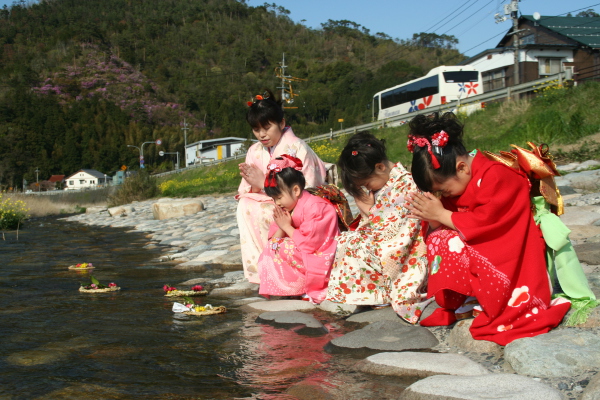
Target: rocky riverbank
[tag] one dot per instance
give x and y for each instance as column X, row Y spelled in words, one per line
column 445, row 362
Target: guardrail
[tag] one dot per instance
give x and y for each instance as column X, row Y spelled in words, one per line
column 497, row 94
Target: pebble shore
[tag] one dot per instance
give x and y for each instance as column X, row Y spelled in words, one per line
column 448, row 363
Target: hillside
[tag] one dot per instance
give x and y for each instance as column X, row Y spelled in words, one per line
column 81, row 80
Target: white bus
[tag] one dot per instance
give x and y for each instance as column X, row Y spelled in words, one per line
column 440, row 86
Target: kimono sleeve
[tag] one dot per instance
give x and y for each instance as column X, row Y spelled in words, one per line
column 312, row 166
column 319, row 227
column 499, row 200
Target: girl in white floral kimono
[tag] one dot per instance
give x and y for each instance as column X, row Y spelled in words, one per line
column 383, row 261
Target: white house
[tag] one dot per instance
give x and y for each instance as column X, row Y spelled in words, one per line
column 85, row 179
column 213, row 149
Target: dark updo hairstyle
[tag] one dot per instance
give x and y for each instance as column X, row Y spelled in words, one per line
column 423, row 172
column 358, row 160
column 286, row 179
column 263, row 113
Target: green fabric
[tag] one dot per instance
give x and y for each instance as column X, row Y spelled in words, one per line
column 563, row 264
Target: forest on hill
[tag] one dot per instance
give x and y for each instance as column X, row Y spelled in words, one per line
column 81, row 80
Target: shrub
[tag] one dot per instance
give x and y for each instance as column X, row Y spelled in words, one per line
column 12, row 213
column 138, row 187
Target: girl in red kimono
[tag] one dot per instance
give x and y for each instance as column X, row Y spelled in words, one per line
column 483, row 241
column 301, row 248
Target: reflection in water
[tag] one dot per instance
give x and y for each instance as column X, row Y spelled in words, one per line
column 58, row 343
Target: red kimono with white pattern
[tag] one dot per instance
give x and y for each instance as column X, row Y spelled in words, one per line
column 497, row 255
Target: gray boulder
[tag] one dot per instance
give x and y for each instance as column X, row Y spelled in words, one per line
column 422, row 365
column 565, row 352
column 483, row 387
column 302, row 323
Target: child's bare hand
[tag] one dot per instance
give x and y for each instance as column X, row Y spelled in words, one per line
column 365, row 203
column 253, row 175
column 424, row 206
column 282, row 218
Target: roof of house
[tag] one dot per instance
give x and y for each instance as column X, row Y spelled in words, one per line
column 57, row 178
column 92, row 172
column 583, row 30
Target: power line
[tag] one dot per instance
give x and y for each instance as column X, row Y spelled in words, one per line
column 486, row 4
column 449, row 15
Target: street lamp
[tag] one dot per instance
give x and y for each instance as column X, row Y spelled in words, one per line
column 141, row 150
column 162, row 153
column 185, row 129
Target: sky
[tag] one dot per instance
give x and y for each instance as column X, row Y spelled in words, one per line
column 471, row 21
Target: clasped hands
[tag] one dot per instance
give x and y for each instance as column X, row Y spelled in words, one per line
column 427, row 207
column 253, row 175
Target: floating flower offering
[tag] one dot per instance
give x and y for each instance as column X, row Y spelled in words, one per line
column 194, row 309
column 82, row 266
column 196, row 290
column 96, row 287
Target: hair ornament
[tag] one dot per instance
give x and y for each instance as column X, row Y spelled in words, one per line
column 439, row 141
column 258, row 97
column 354, row 152
column 277, row 165
column 423, row 142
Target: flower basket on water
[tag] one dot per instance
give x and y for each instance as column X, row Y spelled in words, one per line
column 82, row 266
column 197, row 290
column 194, row 309
column 96, row 287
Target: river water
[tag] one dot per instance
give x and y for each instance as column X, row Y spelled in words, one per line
column 58, row 343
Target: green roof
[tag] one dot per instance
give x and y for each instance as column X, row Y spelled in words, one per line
column 585, row 30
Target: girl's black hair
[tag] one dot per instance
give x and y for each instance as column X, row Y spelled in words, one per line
column 262, row 113
column 286, row 179
column 422, row 168
column 358, row 160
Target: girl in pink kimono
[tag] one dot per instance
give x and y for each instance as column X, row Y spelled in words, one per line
column 297, row 260
column 255, row 208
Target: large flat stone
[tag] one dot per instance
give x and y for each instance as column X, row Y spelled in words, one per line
column 237, row 289
column 580, row 216
column 483, row 387
column 165, row 209
column 368, row 317
column 565, row 352
column 383, row 336
column 419, row 364
column 282, row 305
column 588, row 253
column 460, row 337
column 592, row 391
column 337, row 308
column 300, row 322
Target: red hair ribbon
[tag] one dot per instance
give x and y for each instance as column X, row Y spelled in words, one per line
column 439, row 140
column 257, row 98
column 277, row 165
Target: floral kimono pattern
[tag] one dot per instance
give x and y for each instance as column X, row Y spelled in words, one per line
column 255, row 210
column 384, row 259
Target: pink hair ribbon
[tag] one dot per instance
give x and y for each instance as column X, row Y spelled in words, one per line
column 438, row 140
column 277, row 165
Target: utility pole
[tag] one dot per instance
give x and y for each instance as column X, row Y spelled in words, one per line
column 283, row 67
column 37, row 182
column 514, row 14
column 512, row 9
column 184, row 129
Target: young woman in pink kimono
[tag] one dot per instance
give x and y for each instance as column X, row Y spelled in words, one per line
column 384, row 260
column 255, row 208
column 297, row 259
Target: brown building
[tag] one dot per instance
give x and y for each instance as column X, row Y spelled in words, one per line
column 546, row 46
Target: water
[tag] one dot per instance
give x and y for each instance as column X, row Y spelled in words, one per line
column 58, row 343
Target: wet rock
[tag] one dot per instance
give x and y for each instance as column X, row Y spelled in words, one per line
column 592, row 391
column 422, row 365
column 282, row 305
column 564, row 352
column 497, row 386
column 566, row 190
column 300, row 322
column 337, row 308
column 237, row 289
column 461, row 337
column 248, row 300
column 176, row 208
column 309, row 391
column 368, row 317
column 383, row 336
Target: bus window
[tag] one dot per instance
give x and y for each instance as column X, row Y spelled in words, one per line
column 461, row 76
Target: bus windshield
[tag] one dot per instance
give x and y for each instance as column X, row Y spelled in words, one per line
column 461, row 76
